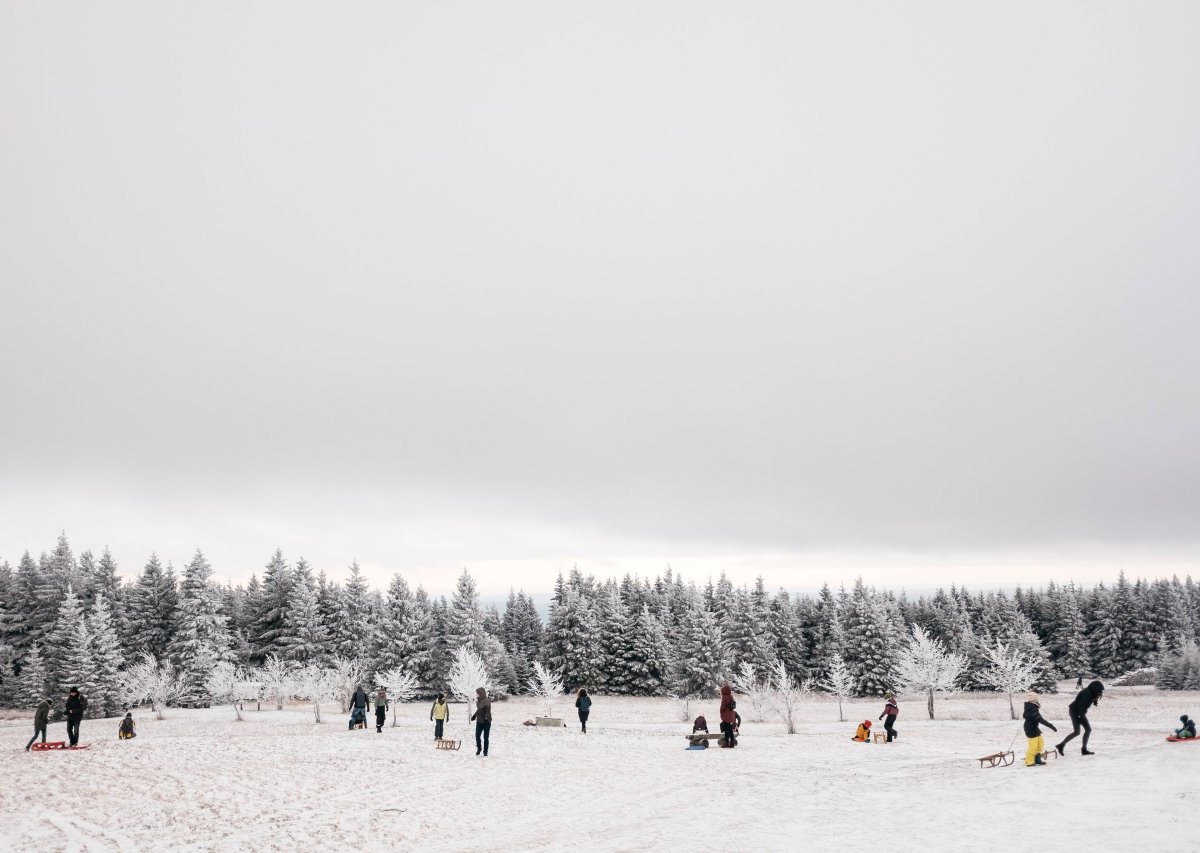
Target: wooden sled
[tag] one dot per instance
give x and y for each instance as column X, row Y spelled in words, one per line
column 881, row 737
column 447, row 744
column 1048, row 753
column 55, row 744
column 997, row 759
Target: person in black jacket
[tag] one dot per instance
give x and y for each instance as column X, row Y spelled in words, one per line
column 76, row 705
column 41, row 719
column 358, row 707
column 1078, row 710
column 1033, row 718
column 1187, row 730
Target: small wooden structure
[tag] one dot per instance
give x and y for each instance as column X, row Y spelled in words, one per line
column 447, row 744
column 881, row 737
column 997, row 759
column 701, row 738
column 550, row 722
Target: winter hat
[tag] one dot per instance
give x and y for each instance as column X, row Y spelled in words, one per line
column 1033, row 697
column 867, row 723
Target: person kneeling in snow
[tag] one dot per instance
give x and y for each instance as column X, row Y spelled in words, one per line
column 125, row 730
column 863, row 732
column 1188, row 729
column 1033, row 718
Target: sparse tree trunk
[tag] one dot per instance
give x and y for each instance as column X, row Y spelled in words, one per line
column 237, row 710
column 317, row 710
column 1011, row 708
column 931, row 703
column 841, row 716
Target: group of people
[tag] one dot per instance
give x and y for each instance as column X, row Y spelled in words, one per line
column 75, row 705
column 891, row 710
column 1077, row 710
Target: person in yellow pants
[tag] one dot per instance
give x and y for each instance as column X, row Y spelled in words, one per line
column 1034, row 719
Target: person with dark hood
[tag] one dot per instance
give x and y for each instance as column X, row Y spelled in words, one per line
column 483, row 721
column 125, row 730
column 700, row 725
column 728, row 717
column 1187, row 730
column 584, row 703
column 76, row 705
column 890, row 710
column 381, row 709
column 440, row 715
column 41, row 719
column 1078, row 710
column 358, row 707
column 1033, row 718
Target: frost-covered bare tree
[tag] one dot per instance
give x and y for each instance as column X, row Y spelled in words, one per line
column 317, row 684
column 755, row 688
column 467, row 673
column 683, row 704
column 349, row 674
column 154, row 681
column 276, row 676
column 1009, row 670
column 786, row 693
column 839, row 681
column 545, row 685
column 926, row 666
column 226, row 684
column 400, row 684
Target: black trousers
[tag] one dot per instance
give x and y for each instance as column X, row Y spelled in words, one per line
column 73, row 729
column 727, row 734
column 583, row 715
column 438, row 727
column 482, row 732
column 380, row 719
column 889, row 726
column 37, row 730
column 1078, row 721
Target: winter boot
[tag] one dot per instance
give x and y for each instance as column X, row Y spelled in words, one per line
column 1087, row 752
column 1059, row 749
column 1037, row 759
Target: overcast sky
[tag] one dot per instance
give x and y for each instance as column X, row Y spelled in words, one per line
column 806, row 289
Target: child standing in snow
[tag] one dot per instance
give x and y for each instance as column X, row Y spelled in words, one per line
column 890, row 710
column 728, row 716
column 863, row 733
column 584, row 703
column 1033, row 718
column 1188, row 729
column 440, row 714
column 125, row 730
column 381, row 708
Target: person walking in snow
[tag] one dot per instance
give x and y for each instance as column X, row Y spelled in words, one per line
column 483, row 721
column 381, row 709
column 1033, row 718
column 584, row 703
column 440, row 715
column 41, row 719
column 728, row 716
column 890, row 711
column 1078, row 710
column 76, row 705
column 358, row 707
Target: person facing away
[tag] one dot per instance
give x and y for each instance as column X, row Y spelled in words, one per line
column 1188, row 729
column 1033, row 718
column 76, row 705
column 41, row 719
column 700, row 725
column 863, row 732
column 125, row 730
column 890, row 711
column 1078, row 710
column 381, row 709
column 483, row 721
column 440, row 714
column 584, row 703
column 727, row 716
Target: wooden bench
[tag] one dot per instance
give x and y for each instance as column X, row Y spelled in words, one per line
column 997, row 759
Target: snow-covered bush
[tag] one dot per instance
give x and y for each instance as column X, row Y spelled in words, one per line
column 1180, row 670
column 786, row 694
column 317, row 684
column 1146, row 676
column 839, row 682
column 153, row 681
column 545, row 685
column 747, row 682
column 400, row 684
column 226, row 684
column 1010, row 670
column 925, row 666
column 276, row 676
column 349, row 674
column 468, row 673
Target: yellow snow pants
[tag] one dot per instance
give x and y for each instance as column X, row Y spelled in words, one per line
column 1036, row 746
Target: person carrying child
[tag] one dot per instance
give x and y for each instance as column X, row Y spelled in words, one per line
column 440, row 715
column 728, row 716
column 1188, row 730
column 381, row 709
column 890, row 710
column 125, row 730
column 863, row 733
column 1033, row 719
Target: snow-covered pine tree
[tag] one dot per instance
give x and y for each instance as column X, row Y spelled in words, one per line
column 392, row 639
column 107, row 660
column 745, row 630
column 200, row 640
column 69, row 656
column 646, row 654
column 824, row 634
column 424, row 662
column 784, row 627
column 572, row 642
column 1068, row 634
column 698, row 667
column 612, row 618
column 150, row 613
column 464, row 624
column 356, row 602
column 1107, row 631
column 269, row 634
column 866, row 642
column 303, row 638
column 32, row 683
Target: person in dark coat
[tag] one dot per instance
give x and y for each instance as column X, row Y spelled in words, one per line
column 381, row 709
column 76, row 705
column 358, row 707
column 1187, row 730
column 728, row 716
column 700, row 725
column 1078, row 710
column 125, row 730
column 1033, row 718
column 890, row 710
column 584, row 703
column 41, row 719
column 483, row 721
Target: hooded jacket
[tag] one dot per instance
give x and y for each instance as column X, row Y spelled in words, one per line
column 583, row 703
column 483, row 707
column 76, row 705
column 727, row 704
column 1033, row 718
column 41, row 717
column 1087, row 697
column 359, row 699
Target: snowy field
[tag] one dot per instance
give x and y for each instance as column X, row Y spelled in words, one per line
column 200, row 781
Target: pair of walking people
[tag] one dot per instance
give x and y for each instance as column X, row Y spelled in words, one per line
column 76, row 705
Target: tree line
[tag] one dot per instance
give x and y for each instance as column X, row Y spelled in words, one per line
column 74, row 621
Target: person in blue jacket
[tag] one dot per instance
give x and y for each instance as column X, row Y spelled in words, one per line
column 584, row 703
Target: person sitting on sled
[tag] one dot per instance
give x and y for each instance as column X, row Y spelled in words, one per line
column 863, row 733
column 1188, row 730
column 125, row 730
column 700, row 725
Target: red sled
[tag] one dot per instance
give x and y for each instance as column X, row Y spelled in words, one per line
column 1173, row 739
column 56, row 744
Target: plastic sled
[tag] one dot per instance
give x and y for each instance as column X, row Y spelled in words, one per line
column 1173, row 739
column 997, row 759
column 696, row 746
column 55, row 744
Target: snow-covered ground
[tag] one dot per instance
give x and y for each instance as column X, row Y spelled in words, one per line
column 200, row 781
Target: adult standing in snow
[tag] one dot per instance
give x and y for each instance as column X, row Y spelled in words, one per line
column 727, row 716
column 358, row 706
column 76, row 705
column 381, row 708
column 890, row 710
column 1078, row 710
column 584, row 703
column 440, row 715
column 483, row 721
column 41, row 719
column 1033, row 718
